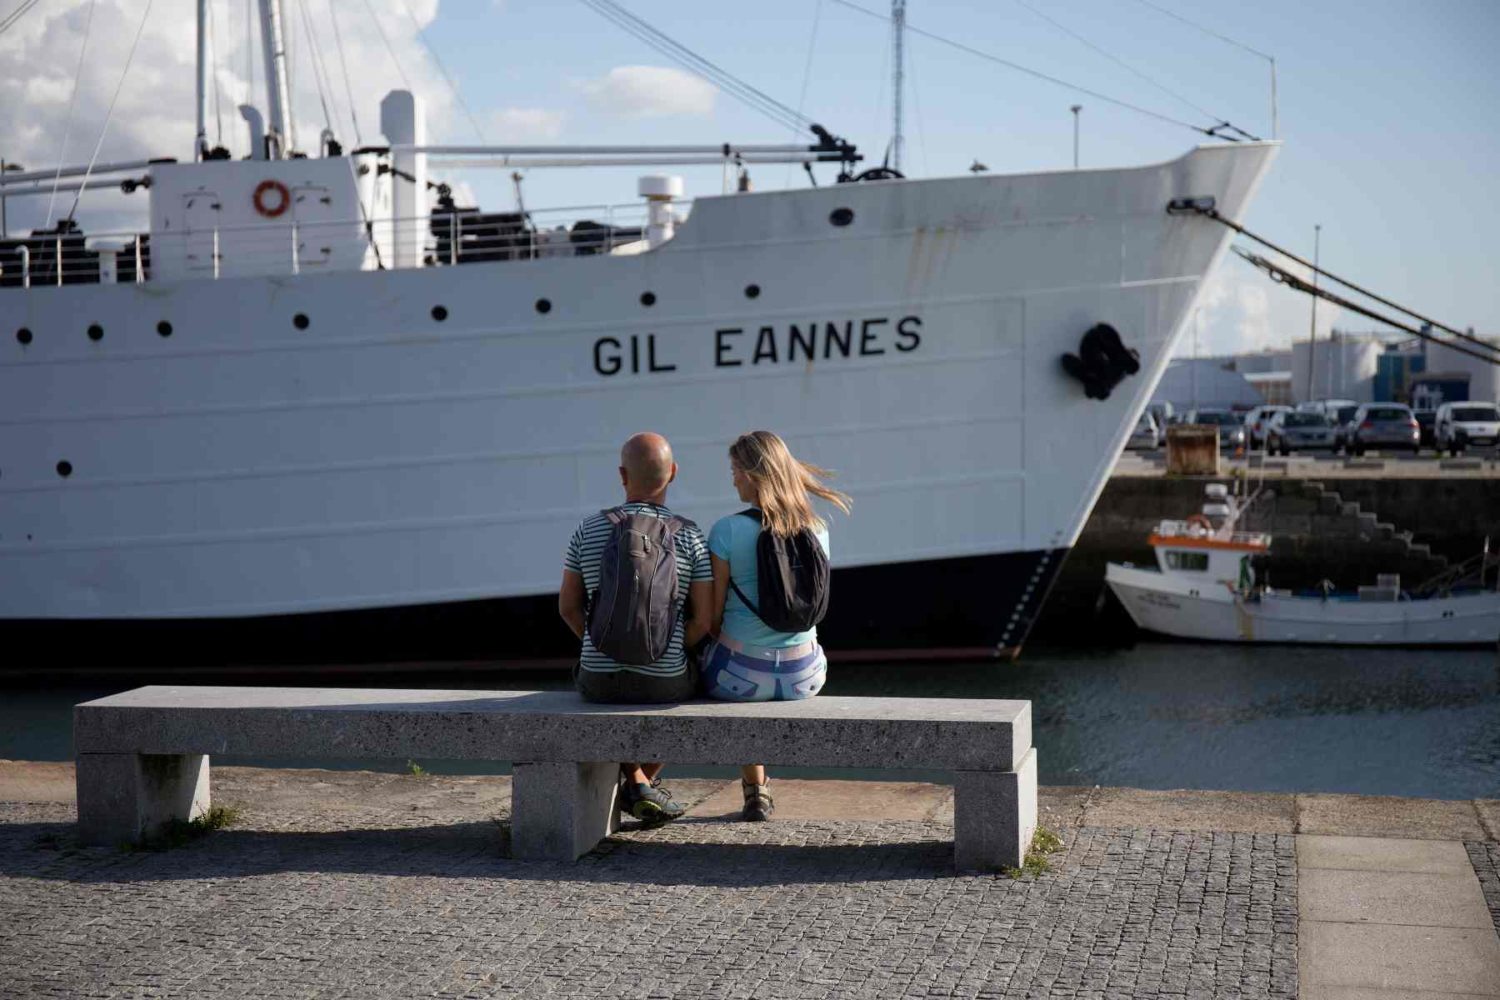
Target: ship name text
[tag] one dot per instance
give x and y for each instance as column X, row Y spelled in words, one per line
column 736, row 346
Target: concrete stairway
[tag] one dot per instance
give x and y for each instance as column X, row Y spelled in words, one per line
column 1319, row 533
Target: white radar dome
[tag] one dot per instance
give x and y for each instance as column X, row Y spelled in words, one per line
column 659, row 186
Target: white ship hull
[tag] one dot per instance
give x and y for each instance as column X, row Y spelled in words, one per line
column 1159, row 603
column 380, row 458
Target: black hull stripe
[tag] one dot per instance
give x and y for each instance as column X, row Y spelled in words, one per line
column 945, row 606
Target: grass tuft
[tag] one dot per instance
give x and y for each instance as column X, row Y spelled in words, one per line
column 417, row 770
column 1043, row 843
column 179, row 833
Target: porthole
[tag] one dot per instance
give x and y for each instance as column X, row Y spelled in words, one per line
column 96, row 332
column 648, row 298
column 543, row 306
column 164, row 328
column 65, row 468
column 752, row 291
column 300, row 321
column 23, row 336
column 439, row 313
column 841, row 216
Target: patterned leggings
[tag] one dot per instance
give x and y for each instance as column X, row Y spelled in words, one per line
column 752, row 673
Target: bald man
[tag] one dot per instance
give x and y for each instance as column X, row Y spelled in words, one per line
column 646, row 470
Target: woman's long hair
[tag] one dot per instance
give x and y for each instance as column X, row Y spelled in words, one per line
column 782, row 483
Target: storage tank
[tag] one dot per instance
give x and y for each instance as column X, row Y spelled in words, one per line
column 1345, row 366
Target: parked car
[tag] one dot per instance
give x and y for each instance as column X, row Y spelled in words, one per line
column 1255, row 423
column 1425, row 423
column 1146, row 433
column 1342, row 419
column 1287, row 432
column 1231, row 428
column 1327, row 407
column 1383, row 425
column 1461, row 425
column 1164, row 413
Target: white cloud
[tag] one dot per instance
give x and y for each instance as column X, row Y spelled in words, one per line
column 155, row 113
column 1243, row 310
column 523, row 125
column 650, row 92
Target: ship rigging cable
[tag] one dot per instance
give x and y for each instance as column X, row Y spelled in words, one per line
column 1116, row 59
column 338, row 39
column 320, row 72
column 1282, row 276
column 16, row 14
column 740, row 90
column 417, row 27
column 62, row 154
column 1205, row 208
column 1275, row 124
column 215, row 43
column 110, row 111
column 388, row 46
column 1213, row 131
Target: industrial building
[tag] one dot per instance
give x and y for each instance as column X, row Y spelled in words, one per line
column 1365, row 367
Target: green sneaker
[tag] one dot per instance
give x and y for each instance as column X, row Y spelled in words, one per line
column 649, row 803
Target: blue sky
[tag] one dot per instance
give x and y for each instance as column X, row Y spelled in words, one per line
column 1387, row 109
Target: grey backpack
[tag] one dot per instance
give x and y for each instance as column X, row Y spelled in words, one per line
column 634, row 612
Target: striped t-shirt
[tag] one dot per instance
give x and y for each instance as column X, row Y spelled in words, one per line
column 584, row 551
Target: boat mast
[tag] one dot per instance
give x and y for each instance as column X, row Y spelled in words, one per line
column 276, row 88
column 200, row 144
column 898, row 41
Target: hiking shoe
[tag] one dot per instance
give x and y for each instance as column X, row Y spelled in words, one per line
column 649, row 803
column 758, row 802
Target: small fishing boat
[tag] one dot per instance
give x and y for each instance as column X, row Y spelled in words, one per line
column 1204, row 587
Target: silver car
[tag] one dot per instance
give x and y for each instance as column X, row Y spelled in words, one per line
column 1231, row 428
column 1384, row 425
column 1303, row 429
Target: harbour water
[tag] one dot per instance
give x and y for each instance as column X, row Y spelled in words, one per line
column 1421, row 723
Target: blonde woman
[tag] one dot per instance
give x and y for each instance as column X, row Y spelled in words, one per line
column 750, row 660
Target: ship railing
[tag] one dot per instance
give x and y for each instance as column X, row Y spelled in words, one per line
column 441, row 239
column 1197, row 530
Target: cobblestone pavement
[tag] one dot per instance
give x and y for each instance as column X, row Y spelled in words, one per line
column 1485, row 857
column 418, row 900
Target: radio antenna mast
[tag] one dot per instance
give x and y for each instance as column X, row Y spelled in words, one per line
column 898, row 43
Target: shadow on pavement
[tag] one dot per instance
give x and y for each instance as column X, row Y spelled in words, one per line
column 691, row 852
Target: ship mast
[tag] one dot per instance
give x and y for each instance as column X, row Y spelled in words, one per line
column 898, row 43
column 200, row 142
column 280, row 133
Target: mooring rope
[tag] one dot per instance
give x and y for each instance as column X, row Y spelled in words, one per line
column 1192, row 206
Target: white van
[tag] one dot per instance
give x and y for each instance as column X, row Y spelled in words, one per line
column 1460, row 425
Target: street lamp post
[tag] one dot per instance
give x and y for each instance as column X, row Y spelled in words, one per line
column 1312, row 332
column 1075, row 109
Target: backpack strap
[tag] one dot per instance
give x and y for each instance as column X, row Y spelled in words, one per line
column 755, row 514
column 747, row 602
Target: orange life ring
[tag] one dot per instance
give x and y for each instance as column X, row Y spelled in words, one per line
column 283, row 196
column 1201, row 521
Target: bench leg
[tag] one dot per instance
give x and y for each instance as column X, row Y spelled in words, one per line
column 560, row 812
column 125, row 797
column 994, row 816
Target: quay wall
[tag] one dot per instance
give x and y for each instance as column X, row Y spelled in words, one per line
column 1343, row 529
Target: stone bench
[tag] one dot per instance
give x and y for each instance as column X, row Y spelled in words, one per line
column 143, row 756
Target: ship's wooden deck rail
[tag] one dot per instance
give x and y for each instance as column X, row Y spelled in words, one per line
column 143, row 756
